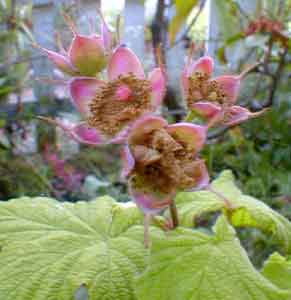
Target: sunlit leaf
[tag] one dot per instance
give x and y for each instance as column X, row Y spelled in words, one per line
column 190, row 265
column 278, row 270
column 183, row 10
column 50, row 249
column 227, row 18
column 242, row 210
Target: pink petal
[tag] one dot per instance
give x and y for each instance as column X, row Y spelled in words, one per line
column 122, row 62
column 206, row 110
column 127, row 161
column 121, row 136
column 200, row 175
column 144, row 126
column 87, row 135
column 80, row 132
column 203, row 64
column 238, row 114
column 158, row 86
column 83, row 90
column 148, row 202
column 230, row 85
column 87, row 54
column 191, row 135
column 61, row 62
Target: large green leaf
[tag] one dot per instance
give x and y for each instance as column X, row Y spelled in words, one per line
column 242, row 210
column 190, row 265
column 58, row 251
column 183, row 10
column 278, row 270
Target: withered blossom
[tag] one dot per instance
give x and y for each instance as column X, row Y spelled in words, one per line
column 161, row 159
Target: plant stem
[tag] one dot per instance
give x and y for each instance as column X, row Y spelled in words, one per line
column 190, row 116
column 147, row 220
column 193, row 22
column 174, row 214
column 276, row 78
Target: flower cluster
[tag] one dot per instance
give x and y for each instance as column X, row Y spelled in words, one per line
column 159, row 159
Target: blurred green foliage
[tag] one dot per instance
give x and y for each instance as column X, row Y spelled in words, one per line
column 104, row 165
column 259, row 153
column 15, row 36
column 19, row 177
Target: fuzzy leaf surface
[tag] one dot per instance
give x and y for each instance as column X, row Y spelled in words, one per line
column 62, row 251
column 191, row 265
column 278, row 270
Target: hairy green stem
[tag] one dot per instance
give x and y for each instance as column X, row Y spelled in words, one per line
column 174, row 214
column 190, row 116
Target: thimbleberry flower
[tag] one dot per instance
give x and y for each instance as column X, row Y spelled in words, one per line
column 161, row 159
column 213, row 98
column 86, row 56
column 110, row 107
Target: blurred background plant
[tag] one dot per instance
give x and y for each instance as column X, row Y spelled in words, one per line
column 15, row 35
column 258, row 152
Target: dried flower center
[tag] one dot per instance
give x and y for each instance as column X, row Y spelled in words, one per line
column 163, row 164
column 118, row 103
column 200, row 88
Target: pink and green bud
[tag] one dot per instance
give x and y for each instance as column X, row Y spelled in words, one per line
column 87, row 55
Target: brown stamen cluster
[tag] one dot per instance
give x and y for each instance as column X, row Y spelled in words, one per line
column 200, row 88
column 163, row 164
column 110, row 115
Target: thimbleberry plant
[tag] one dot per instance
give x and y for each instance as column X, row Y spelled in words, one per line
column 99, row 249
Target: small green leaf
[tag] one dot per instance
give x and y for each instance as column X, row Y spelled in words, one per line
column 278, row 270
column 190, row 265
column 242, row 210
column 51, row 249
column 183, row 10
column 220, row 53
column 228, row 21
